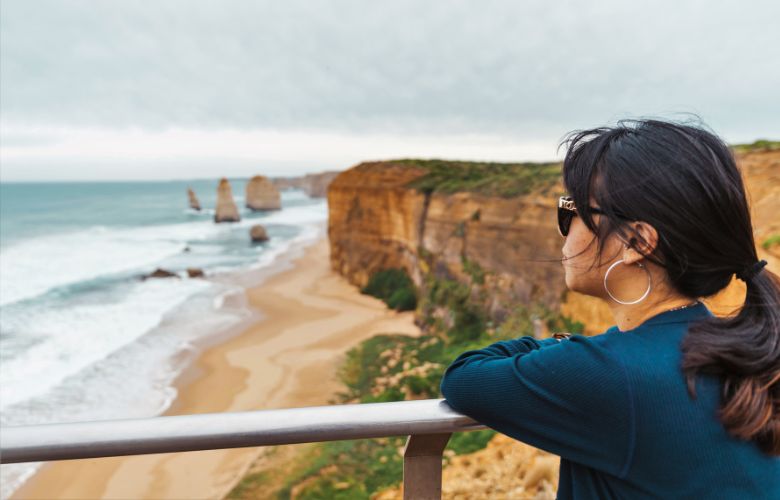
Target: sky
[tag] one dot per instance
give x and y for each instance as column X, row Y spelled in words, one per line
column 111, row 90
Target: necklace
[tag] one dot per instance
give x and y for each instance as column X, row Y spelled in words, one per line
column 683, row 307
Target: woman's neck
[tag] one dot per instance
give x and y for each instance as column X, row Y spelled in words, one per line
column 628, row 317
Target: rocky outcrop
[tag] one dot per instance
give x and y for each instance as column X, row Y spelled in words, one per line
column 261, row 194
column 226, row 210
column 195, row 272
column 160, row 273
column 506, row 468
column 258, row 234
column 376, row 221
column 193, row 200
column 314, row 185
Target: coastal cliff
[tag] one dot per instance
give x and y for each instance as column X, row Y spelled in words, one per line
column 446, row 219
column 404, row 214
column 314, row 185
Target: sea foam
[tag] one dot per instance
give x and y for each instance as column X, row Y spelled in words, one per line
column 83, row 338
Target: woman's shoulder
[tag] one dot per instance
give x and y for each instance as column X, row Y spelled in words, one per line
column 605, row 347
column 609, row 341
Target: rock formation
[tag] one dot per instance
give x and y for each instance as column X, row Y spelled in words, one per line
column 314, row 185
column 261, row 194
column 376, row 221
column 194, row 203
column 195, row 272
column 506, row 468
column 226, row 210
column 160, row 273
column 258, row 233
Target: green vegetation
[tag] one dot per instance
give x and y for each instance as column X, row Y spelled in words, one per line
column 759, row 145
column 394, row 287
column 771, row 241
column 249, row 484
column 447, row 308
column 395, row 367
column 487, row 178
column 364, row 466
column 474, row 270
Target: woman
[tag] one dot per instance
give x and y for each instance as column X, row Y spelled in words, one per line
column 671, row 402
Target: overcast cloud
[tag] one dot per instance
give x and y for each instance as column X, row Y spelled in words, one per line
column 421, row 76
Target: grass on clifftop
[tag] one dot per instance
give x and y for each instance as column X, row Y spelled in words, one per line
column 486, row 178
column 759, row 145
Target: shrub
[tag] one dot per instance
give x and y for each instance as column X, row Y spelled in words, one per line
column 394, row 287
column 403, row 299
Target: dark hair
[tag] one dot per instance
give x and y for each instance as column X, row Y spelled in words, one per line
column 683, row 180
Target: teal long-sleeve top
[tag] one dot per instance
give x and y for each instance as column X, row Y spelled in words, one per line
column 615, row 408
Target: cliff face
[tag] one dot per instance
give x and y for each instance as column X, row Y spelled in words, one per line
column 376, row 222
column 315, row 185
column 261, row 194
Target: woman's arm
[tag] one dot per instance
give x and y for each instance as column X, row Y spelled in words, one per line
column 514, row 346
column 570, row 397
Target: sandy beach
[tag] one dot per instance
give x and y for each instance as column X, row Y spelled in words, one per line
column 311, row 317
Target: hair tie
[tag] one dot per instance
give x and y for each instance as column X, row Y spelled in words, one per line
column 750, row 271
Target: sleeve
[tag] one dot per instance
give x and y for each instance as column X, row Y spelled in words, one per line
column 570, row 397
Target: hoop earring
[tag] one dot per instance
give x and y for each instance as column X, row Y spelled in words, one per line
column 640, row 299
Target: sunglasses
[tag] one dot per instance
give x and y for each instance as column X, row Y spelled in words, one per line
column 567, row 211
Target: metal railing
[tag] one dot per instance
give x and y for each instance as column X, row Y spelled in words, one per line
column 427, row 423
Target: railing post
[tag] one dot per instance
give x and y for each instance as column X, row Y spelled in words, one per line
column 422, row 466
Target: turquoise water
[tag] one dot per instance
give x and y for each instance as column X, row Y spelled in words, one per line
column 76, row 322
column 34, row 209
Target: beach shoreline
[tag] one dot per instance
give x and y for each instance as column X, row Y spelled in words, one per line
column 305, row 318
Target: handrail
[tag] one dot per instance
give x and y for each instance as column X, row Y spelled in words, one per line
column 229, row 430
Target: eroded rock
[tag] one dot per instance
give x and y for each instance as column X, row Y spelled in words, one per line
column 193, row 200
column 258, row 234
column 261, row 194
column 160, row 273
column 226, row 210
column 195, row 272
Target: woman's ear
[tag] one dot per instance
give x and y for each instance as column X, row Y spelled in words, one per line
column 643, row 242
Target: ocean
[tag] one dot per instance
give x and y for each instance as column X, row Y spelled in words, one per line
column 82, row 337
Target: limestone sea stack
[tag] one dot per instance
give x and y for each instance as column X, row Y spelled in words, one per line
column 258, row 234
column 226, row 210
column 194, row 203
column 261, row 194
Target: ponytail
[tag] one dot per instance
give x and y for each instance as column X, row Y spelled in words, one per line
column 745, row 350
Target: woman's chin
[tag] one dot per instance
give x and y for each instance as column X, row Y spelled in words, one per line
column 576, row 286
column 570, row 282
